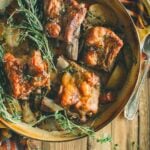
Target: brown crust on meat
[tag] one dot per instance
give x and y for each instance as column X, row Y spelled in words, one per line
column 21, row 87
column 106, row 45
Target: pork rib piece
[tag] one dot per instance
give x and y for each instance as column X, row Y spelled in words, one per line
column 103, row 46
column 80, row 90
column 22, row 86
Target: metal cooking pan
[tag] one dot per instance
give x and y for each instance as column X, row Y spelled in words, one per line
column 116, row 107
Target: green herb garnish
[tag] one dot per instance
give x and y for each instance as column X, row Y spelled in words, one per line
column 104, row 139
column 78, row 130
column 69, row 69
column 93, row 17
column 27, row 77
column 71, row 127
column 32, row 27
column 10, row 114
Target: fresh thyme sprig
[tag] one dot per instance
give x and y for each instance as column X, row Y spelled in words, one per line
column 78, row 130
column 41, row 119
column 14, row 117
column 71, row 127
column 33, row 28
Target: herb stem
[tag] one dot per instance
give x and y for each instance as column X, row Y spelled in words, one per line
column 33, row 28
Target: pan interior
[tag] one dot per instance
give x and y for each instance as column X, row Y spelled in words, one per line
column 104, row 117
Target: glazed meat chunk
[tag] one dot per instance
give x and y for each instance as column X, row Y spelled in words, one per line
column 39, row 69
column 64, row 23
column 14, row 71
column 73, row 20
column 53, row 29
column 19, row 70
column 80, row 90
column 103, row 46
column 37, row 64
column 52, row 8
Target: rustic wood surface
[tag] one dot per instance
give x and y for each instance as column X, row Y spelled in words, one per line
column 126, row 135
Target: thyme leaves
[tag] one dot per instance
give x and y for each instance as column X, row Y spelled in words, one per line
column 33, row 28
column 78, row 130
column 71, row 127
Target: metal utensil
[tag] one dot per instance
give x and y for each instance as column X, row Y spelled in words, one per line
column 132, row 106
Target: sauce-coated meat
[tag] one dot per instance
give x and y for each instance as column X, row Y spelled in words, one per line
column 103, row 47
column 53, row 29
column 81, row 92
column 70, row 20
column 74, row 17
column 14, row 70
column 52, row 8
column 64, row 24
column 20, row 84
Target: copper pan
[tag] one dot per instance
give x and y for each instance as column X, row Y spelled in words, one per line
column 116, row 107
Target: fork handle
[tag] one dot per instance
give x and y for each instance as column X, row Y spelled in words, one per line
column 132, row 106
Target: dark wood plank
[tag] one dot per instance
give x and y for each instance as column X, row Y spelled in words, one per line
column 144, row 118
column 94, row 145
column 73, row 145
column 119, row 133
column 132, row 134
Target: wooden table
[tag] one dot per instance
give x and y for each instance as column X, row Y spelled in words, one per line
column 126, row 135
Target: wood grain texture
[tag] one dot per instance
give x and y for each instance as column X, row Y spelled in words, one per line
column 132, row 134
column 119, row 126
column 94, row 145
column 144, row 118
column 73, row 145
